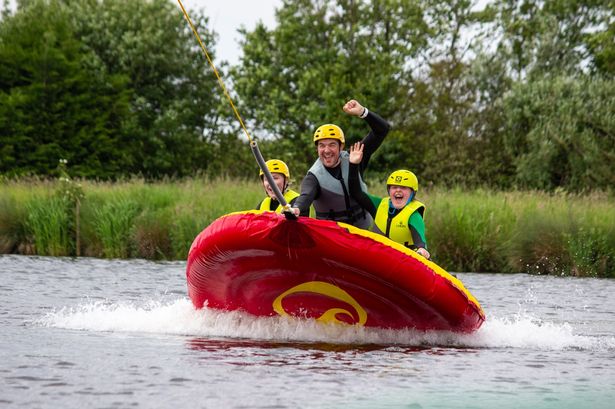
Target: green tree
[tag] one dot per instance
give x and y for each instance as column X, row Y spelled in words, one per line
column 436, row 121
column 51, row 105
column 540, row 37
column 115, row 87
column 537, row 49
column 175, row 101
column 602, row 50
column 297, row 76
column 562, row 131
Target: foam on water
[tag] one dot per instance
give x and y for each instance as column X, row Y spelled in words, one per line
column 180, row 318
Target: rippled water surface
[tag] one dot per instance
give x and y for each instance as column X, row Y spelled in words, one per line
column 113, row 334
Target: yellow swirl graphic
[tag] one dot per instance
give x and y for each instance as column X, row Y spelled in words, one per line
column 330, row 290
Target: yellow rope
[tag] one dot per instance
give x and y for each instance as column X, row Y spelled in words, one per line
column 196, row 34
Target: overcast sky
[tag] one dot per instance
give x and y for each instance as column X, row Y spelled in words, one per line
column 226, row 16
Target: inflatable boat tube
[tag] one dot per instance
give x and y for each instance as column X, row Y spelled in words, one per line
column 263, row 264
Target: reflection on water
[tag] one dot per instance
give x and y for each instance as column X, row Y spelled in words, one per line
column 224, row 344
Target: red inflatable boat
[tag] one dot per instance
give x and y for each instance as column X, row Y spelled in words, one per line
column 263, row 264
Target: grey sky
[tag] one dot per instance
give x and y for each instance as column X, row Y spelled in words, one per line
column 226, row 16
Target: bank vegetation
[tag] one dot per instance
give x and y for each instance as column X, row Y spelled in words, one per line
column 467, row 230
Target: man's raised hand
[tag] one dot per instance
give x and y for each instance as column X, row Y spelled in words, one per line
column 356, row 153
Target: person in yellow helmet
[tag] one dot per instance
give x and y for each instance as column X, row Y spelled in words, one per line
column 281, row 176
column 399, row 216
column 326, row 183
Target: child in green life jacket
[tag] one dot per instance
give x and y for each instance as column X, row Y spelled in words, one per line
column 281, row 176
column 399, row 216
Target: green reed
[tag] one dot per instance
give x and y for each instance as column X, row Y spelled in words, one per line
column 565, row 234
column 13, row 233
column 532, row 232
column 113, row 223
column 478, row 230
column 49, row 223
column 469, row 230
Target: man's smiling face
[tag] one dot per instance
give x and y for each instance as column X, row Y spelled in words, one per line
column 329, row 152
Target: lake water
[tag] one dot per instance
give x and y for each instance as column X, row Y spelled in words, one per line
column 89, row 333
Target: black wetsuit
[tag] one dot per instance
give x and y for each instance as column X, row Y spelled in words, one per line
column 310, row 188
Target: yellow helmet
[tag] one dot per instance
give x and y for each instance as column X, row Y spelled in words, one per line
column 405, row 178
column 276, row 166
column 329, row 131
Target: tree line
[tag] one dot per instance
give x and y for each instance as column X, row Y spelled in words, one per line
column 507, row 94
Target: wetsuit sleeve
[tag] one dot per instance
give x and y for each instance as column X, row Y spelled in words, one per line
column 417, row 229
column 292, row 202
column 359, row 195
column 310, row 190
column 375, row 137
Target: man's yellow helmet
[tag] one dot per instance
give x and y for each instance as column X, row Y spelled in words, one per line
column 276, row 166
column 405, row 178
column 329, row 131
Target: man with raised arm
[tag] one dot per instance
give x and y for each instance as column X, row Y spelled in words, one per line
column 326, row 183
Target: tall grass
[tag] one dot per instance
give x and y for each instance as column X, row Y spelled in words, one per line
column 151, row 235
column 532, row 232
column 113, row 222
column 470, row 230
column 476, row 230
column 49, row 223
column 13, row 233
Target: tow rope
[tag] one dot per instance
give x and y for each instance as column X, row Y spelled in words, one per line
column 253, row 145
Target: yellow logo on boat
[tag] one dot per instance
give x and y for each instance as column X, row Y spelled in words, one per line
column 330, row 290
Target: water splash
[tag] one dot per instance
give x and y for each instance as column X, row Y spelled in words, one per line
column 179, row 317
